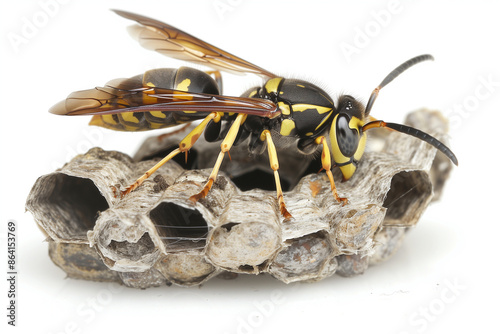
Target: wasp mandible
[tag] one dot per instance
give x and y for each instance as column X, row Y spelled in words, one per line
column 281, row 108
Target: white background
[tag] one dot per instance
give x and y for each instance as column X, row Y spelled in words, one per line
column 82, row 45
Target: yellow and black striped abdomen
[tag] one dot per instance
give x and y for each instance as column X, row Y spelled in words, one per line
column 144, row 121
column 183, row 79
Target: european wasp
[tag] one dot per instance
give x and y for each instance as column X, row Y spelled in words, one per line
column 261, row 117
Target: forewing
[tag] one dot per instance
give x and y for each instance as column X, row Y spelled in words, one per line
column 175, row 43
column 124, row 95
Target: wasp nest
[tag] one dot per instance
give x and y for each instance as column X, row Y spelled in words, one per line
column 156, row 236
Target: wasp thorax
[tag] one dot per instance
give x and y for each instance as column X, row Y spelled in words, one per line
column 346, row 135
column 306, row 109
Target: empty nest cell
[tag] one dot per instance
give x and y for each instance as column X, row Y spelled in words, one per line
column 410, row 190
column 179, row 228
column 68, row 206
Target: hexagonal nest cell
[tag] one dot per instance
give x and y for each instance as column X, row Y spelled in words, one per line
column 68, row 205
column 180, row 228
column 157, row 236
column 408, row 193
column 133, row 250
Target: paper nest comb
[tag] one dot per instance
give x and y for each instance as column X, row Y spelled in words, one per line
column 155, row 236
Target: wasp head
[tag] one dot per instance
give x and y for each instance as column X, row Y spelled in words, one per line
column 346, row 135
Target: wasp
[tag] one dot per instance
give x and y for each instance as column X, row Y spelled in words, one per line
column 280, row 108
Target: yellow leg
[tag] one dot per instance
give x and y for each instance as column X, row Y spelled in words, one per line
column 326, row 162
column 273, row 160
column 225, row 146
column 184, row 146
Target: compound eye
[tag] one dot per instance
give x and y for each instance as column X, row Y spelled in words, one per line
column 347, row 138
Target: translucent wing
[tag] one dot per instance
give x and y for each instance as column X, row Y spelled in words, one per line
column 129, row 95
column 172, row 42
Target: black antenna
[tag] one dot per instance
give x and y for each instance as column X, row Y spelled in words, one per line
column 393, row 75
column 415, row 133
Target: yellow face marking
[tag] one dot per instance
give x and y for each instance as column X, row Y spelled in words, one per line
column 338, row 157
column 355, row 123
column 272, row 85
column 319, row 109
column 285, row 108
column 302, row 86
column 158, row 114
column 309, row 134
column 348, row 171
column 129, row 117
column 361, row 147
column 286, row 127
column 184, row 85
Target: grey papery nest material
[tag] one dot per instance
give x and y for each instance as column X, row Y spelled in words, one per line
column 156, row 236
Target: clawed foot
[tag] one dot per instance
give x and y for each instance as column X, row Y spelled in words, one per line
column 284, row 212
column 125, row 192
column 117, row 193
column 342, row 200
column 195, row 198
column 203, row 193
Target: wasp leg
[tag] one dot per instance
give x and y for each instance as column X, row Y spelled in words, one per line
column 225, row 146
column 184, row 146
column 218, row 78
column 326, row 162
column 273, row 160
